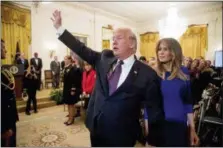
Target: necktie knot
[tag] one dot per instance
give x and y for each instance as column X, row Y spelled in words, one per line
column 120, row 62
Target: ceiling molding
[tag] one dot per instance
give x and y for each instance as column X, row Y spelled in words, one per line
column 99, row 11
column 204, row 10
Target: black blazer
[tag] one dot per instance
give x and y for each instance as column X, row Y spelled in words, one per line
column 37, row 67
column 26, row 63
column 8, row 106
column 117, row 116
column 72, row 79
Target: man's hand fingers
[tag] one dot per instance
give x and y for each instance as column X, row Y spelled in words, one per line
column 54, row 14
column 52, row 19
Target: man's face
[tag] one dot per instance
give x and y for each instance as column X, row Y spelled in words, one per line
column 55, row 58
column 208, row 63
column 22, row 56
column 3, row 50
column 36, row 55
column 122, row 44
column 87, row 67
column 202, row 64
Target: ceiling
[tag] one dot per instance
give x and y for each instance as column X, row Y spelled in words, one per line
column 142, row 11
column 139, row 12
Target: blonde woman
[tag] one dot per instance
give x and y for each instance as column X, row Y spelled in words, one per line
column 177, row 100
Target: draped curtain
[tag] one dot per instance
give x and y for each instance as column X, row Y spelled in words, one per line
column 106, row 44
column 16, row 28
column 194, row 41
column 148, row 43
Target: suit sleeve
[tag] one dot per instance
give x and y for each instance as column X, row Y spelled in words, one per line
column 41, row 64
column 154, row 101
column 76, row 80
column 27, row 63
column 187, row 96
column 31, row 62
column 188, row 100
column 51, row 66
column 79, row 48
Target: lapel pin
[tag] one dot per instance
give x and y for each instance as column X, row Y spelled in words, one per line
column 135, row 72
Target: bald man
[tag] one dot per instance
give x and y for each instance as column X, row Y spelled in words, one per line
column 123, row 84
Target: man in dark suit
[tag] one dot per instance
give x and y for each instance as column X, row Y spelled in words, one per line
column 23, row 61
column 37, row 64
column 62, row 65
column 55, row 68
column 8, row 105
column 122, row 85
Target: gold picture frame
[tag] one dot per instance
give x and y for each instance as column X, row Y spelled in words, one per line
column 84, row 39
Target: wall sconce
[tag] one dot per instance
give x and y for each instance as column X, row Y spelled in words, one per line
column 52, row 53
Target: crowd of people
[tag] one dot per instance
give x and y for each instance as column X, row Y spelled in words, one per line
column 120, row 85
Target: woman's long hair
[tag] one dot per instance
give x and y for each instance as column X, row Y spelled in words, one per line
column 176, row 62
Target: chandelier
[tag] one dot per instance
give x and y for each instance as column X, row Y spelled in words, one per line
column 37, row 4
column 172, row 26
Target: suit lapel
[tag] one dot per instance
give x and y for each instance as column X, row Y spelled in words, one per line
column 130, row 79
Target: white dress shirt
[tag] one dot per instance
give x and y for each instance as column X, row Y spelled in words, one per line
column 126, row 66
column 36, row 61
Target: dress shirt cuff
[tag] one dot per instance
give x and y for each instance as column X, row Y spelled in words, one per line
column 188, row 108
column 60, row 31
column 145, row 114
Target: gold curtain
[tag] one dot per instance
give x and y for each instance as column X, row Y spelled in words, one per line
column 148, row 44
column 16, row 27
column 105, row 44
column 194, row 41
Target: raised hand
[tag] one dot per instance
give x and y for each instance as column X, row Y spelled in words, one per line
column 57, row 20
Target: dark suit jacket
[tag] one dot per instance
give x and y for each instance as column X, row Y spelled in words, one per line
column 117, row 116
column 8, row 107
column 26, row 63
column 62, row 65
column 55, row 67
column 37, row 67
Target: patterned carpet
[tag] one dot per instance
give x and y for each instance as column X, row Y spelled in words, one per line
column 46, row 129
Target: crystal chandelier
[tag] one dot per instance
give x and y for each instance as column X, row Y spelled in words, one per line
column 172, row 26
column 36, row 5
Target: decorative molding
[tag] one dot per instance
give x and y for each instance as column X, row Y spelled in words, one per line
column 99, row 11
column 203, row 11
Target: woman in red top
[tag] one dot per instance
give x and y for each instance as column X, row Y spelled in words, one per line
column 88, row 81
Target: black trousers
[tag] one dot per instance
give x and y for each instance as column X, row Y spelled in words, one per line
column 101, row 141
column 39, row 81
column 169, row 134
column 101, row 138
column 31, row 98
column 12, row 141
column 56, row 80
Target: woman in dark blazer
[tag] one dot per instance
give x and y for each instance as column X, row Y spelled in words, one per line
column 71, row 88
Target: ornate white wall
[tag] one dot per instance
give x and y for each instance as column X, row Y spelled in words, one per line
column 77, row 19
